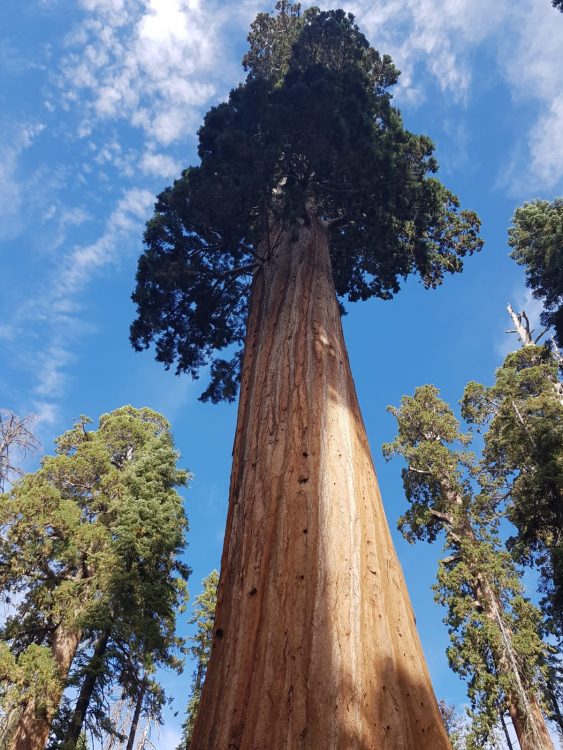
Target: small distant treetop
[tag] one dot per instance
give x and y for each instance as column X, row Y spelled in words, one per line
column 311, row 133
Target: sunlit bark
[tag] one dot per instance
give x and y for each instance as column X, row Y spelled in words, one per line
column 315, row 644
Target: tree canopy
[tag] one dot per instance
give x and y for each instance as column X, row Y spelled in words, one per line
column 311, row 131
column 90, row 546
column 523, row 457
column 493, row 628
column 536, row 238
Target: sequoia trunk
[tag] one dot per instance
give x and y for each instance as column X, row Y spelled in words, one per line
column 315, row 645
column 35, row 722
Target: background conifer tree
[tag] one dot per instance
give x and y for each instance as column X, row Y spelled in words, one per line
column 493, row 628
column 90, row 549
column 522, row 414
column 203, row 620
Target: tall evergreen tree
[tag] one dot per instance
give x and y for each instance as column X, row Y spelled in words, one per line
column 90, row 546
column 493, row 628
column 203, row 619
column 523, row 455
column 309, row 191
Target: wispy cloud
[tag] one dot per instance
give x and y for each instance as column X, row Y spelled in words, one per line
column 148, row 62
column 16, row 139
column 443, row 37
column 52, row 320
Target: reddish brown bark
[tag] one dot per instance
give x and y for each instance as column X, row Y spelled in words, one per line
column 315, row 643
column 34, row 725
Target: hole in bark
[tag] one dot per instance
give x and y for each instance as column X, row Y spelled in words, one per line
column 302, row 480
column 305, row 454
column 219, row 633
column 252, row 592
column 305, row 531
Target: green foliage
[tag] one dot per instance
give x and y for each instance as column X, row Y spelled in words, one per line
column 493, row 629
column 523, row 458
column 271, row 39
column 203, row 619
column 92, row 541
column 312, row 130
column 536, row 238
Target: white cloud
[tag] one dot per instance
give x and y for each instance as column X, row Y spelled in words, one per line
column 51, row 322
column 546, row 146
column 150, row 63
column 445, row 36
column 16, row 139
column 7, row 332
column 46, row 412
column 83, row 262
column 159, row 165
column 156, row 64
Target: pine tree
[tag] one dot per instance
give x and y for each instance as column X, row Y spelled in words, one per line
column 309, row 191
column 493, row 628
column 90, row 547
column 203, row 619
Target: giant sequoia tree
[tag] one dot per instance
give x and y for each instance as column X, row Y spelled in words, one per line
column 310, row 192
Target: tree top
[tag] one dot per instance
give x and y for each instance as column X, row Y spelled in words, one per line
column 310, row 132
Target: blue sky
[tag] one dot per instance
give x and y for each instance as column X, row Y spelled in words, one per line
column 100, row 101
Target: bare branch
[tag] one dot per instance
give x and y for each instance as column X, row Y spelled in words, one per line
column 522, row 326
column 16, row 442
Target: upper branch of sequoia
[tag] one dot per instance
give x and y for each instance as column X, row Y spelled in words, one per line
column 312, row 130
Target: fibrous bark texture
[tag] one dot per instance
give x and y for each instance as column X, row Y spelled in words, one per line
column 315, row 645
column 34, row 725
